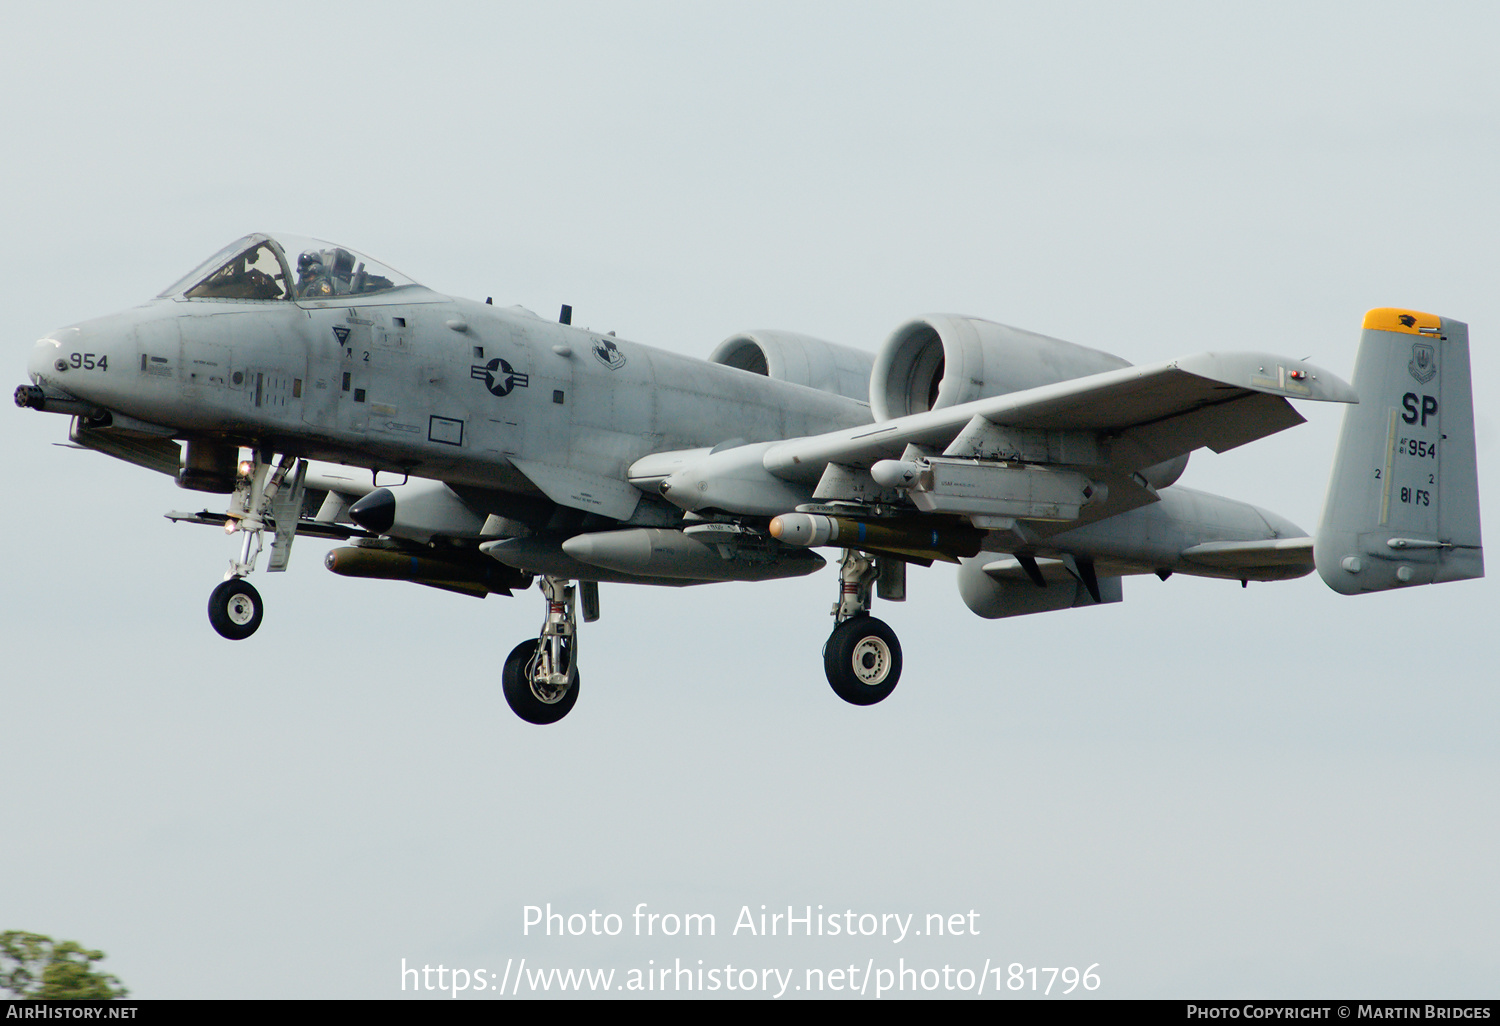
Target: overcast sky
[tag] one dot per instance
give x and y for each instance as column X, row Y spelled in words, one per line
column 1203, row 790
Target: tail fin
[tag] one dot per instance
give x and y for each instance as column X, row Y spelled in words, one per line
column 1403, row 500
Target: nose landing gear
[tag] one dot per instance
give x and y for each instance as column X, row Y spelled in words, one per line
column 259, row 502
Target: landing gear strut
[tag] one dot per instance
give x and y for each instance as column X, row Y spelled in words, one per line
column 235, row 607
column 862, row 657
column 541, row 676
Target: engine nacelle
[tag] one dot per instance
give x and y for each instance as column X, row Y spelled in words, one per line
column 942, row 360
column 992, row 599
column 799, row 359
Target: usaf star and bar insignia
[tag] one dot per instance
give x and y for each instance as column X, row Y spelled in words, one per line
column 499, row 377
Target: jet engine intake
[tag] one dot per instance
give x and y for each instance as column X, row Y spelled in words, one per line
column 799, row 359
column 942, row 360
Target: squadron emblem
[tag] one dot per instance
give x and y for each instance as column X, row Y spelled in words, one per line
column 608, row 353
column 499, row 377
column 1423, row 365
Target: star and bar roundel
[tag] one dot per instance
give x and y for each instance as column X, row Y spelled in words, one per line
column 499, row 377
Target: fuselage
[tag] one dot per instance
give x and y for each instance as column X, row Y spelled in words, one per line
column 1047, row 470
column 353, row 363
column 418, row 382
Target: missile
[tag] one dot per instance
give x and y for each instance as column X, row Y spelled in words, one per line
column 896, row 473
column 921, row 538
column 471, row 577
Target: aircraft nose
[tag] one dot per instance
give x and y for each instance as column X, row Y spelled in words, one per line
column 45, row 355
column 81, row 360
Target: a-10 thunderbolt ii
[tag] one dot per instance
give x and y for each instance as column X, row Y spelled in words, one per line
column 524, row 448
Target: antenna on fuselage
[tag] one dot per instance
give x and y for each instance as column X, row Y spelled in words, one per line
column 566, row 317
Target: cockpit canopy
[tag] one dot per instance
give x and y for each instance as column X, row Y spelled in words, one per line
column 285, row 267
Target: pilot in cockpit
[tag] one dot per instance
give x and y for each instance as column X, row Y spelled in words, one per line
column 325, row 273
column 313, row 280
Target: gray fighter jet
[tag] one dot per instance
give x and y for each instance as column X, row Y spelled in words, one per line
column 519, row 448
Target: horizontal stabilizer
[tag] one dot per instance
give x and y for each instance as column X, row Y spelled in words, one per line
column 1009, row 568
column 1403, row 499
column 995, row 588
column 1278, row 559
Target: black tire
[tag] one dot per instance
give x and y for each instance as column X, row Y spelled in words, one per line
column 526, row 701
column 235, row 609
column 862, row 660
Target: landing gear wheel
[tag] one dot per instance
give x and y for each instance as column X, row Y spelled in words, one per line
column 235, row 608
column 862, row 660
column 535, row 701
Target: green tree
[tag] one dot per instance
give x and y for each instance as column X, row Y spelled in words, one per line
column 34, row 966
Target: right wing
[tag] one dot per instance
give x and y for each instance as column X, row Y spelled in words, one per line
column 1140, row 416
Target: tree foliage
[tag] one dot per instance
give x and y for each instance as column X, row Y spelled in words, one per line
column 34, row 966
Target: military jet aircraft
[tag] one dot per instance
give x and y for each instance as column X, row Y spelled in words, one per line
column 519, row 449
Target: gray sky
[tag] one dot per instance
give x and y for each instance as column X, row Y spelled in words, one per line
column 1204, row 790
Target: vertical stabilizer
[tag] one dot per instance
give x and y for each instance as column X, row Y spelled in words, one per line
column 1403, row 500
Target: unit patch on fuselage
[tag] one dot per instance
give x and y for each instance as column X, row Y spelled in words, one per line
column 499, row 377
column 608, row 353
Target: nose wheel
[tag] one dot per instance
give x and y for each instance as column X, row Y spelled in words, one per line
column 259, row 504
column 234, row 608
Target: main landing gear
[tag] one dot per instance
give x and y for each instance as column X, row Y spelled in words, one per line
column 862, row 657
column 541, row 676
column 263, row 499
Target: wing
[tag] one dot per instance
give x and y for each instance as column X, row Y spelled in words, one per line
column 1128, row 419
column 1056, row 456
